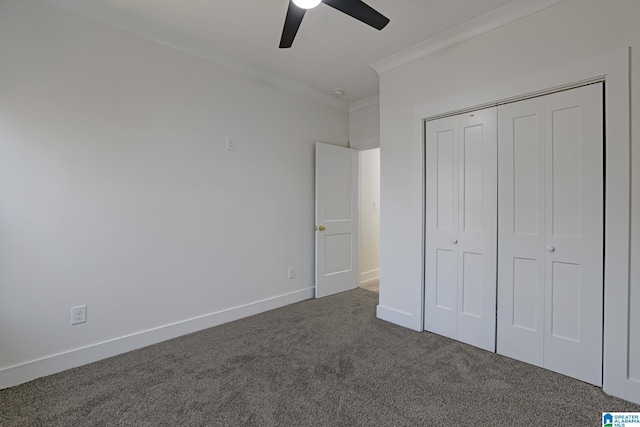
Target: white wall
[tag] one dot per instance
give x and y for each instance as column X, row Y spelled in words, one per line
column 369, row 214
column 116, row 191
column 364, row 128
column 570, row 31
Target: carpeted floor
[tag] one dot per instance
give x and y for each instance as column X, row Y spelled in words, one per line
column 325, row 362
column 371, row 285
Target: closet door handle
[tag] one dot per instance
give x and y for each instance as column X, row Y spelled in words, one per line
column 454, row 240
column 551, row 249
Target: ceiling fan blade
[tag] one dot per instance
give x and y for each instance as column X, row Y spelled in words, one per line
column 291, row 25
column 359, row 10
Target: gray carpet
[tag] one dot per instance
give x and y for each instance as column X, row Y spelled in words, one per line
column 325, row 362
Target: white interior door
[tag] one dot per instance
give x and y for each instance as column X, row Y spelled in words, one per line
column 521, row 233
column 461, row 229
column 441, row 254
column 574, row 211
column 478, row 232
column 336, row 219
column 551, row 220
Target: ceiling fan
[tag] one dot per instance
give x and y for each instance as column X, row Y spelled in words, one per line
column 354, row 8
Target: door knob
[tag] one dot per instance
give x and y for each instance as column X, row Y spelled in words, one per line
column 321, row 228
column 454, row 240
column 550, row 249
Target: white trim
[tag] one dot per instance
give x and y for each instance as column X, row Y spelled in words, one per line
column 363, row 103
column 474, row 28
column 398, row 317
column 633, row 390
column 139, row 27
column 369, row 276
column 28, row 371
column 548, row 91
column 613, row 67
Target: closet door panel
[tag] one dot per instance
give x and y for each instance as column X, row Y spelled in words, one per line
column 472, row 162
column 574, row 235
column 472, row 273
column 520, row 323
column 441, row 254
column 445, row 272
column 446, row 181
column 525, row 293
column 477, row 228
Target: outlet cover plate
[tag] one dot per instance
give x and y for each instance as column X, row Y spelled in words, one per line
column 78, row 314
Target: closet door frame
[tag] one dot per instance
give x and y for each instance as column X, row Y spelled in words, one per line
column 612, row 68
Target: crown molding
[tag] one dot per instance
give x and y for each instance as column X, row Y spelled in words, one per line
column 490, row 21
column 139, row 27
column 360, row 104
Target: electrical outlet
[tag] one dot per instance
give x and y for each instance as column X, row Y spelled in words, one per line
column 231, row 145
column 78, row 314
column 291, row 272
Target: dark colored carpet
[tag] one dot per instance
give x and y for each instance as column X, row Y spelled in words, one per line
column 325, row 362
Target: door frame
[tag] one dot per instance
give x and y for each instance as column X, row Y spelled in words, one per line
column 613, row 69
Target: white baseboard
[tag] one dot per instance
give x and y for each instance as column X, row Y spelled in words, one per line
column 31, row 370
column 398, row 317
column 633, row 391
column 368, row 276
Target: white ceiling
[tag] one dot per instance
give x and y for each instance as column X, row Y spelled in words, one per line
column 331, row 50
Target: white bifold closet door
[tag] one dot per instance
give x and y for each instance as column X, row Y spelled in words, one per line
column 461, row 230
column 550, row 236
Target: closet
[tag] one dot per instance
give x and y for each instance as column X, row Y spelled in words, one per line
column 534, row 217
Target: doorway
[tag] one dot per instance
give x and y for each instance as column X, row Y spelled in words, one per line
column 369, row 212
